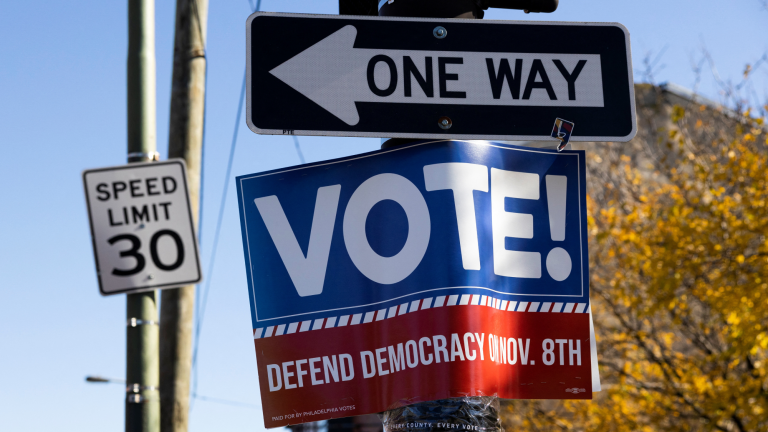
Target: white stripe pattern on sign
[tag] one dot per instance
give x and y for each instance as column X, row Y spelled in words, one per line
column 280, row 330
column 403, row 309
column 413, row 306
column 292, row 328
column 305, row 326
column 330, row 322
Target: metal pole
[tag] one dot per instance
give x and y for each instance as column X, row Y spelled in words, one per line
column 479, row 412
column 185, row 140
column 142, row 403
column 476, row 412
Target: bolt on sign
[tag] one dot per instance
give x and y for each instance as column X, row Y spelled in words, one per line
column 434, row 270
column 437, row 78
column 141, row 226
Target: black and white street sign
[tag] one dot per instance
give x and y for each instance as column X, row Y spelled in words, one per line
column 141, row 226
column 437, row 78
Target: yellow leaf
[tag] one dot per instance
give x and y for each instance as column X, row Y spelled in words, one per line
column 678, row 113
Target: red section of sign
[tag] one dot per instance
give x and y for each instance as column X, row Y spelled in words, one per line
column 546, row 356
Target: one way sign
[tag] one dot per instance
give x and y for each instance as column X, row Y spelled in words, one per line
column 438, row 78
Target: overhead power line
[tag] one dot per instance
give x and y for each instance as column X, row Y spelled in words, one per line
column 298, row 149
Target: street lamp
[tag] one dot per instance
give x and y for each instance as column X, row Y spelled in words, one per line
column 102, row 380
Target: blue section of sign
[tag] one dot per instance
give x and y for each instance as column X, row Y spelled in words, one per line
column 347, row 287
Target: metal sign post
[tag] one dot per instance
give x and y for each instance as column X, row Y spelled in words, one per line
column 142, row 404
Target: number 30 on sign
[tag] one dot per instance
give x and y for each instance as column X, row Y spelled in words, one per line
column 142, row 228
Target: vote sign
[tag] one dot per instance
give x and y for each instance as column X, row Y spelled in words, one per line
column 141, row 226
column 437, row 78
column 434, row 270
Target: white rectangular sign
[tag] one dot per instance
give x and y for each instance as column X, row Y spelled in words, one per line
column 142, row 228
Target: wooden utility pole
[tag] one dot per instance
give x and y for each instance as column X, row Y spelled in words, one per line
column 142, row 403
column 185, row 140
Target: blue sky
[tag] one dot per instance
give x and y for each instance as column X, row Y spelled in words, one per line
column 62, row 110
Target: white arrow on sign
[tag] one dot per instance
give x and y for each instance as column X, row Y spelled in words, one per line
column 335, row 75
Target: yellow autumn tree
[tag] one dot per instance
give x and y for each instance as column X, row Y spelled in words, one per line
column 679, row 278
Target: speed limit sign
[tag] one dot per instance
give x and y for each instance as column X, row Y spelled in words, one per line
column 141, row 226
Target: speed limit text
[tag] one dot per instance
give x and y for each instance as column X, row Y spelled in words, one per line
column 137, row 188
